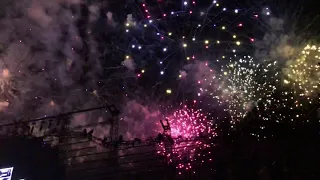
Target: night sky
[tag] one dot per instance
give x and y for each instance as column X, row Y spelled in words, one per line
column 228, row 70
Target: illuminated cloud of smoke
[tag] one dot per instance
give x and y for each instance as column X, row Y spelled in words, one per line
column 129, row 63
column 183, row 74
column 199, row 72
column 130, row 20
column 40, row 41
column 45, row 75
column 277, row 43
column 95, row 121
column 110, row 19
column 139, row 121
column 200, row 69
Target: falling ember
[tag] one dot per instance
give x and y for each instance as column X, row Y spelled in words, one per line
column 191, row 133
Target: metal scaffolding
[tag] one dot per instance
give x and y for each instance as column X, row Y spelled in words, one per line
column 88, row 157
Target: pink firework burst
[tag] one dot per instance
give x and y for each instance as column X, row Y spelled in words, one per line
column 189, row 123
column 189, row 139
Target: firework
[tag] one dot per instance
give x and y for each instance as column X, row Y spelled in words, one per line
column 300, row 87
column 191, row 132
column 241, row 84
column 168, row 32
column 303, row 73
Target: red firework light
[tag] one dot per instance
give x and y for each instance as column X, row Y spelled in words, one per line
column 188, row 123
column 192, row 133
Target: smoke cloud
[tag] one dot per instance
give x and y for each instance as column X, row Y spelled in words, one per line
column 129, row 63
column 40, row 52
column 277, row 43
column 139, row 121
column 200, row 75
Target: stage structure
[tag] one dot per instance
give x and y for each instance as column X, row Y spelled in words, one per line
column 87, row 157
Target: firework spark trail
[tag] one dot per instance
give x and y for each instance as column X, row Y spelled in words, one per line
column 187, row 124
